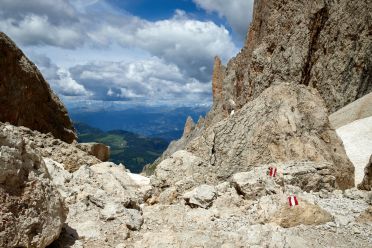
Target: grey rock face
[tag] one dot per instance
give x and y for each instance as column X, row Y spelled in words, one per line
column 303, row 42
column 300, row 42
column 26, row 98
column 70, row 155
column 366, row 184
column 103, row 201
column 268, row 221
column 255, row 184
column 100, row 151
column 31, row 210
column 202, row 196
column 189, row 126
column 287, row 122
column 308, row 176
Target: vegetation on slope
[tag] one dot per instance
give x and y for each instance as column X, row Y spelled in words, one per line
column 130, row 149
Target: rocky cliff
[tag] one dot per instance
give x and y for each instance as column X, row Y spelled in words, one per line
column 32, row 211
column 298, row 42
column 265, row 168
column 287, row 122
column 366, row 184
column 322, row 44
column 26, row 98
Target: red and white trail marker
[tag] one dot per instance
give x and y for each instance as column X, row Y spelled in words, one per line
column 292, row 201
column 272, row 171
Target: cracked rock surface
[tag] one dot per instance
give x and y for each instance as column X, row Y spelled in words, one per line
column 286, row 123
column 26, row 99
column 32, row 212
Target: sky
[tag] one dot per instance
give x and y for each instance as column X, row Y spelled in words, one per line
column 150, row 52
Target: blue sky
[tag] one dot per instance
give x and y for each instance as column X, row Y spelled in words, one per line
column 151, row 52
column 156, row 10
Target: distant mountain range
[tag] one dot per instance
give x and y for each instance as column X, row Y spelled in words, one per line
column 163, row 122
column 132, row 150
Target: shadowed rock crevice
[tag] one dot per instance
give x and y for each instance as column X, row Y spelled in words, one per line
column 316, row 25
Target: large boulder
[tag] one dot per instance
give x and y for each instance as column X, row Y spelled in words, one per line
column 201, row 196
column 98, row 150
column 308, row 176
column 103, row 201
column 182, row 169
column 70, row 155
column 26, row 98
column 32, row 212
column 287, row 122
column 304, row 214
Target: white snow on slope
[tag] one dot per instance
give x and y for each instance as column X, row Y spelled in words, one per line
column 140, row 180
column 357, row 138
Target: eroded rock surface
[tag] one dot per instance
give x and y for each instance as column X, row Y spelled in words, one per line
column 359, row 109
column 201, row 196
column 100, row 151
column 103, row 201
column 70, row 155
column 318, row 220
column 189, row 126
column 366, row 184
column 299, row 42
column 303, row 42
column 305, row 214
column 286, row 123
column 31, row 210
column 26, row 98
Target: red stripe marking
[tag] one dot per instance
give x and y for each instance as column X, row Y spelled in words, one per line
column 274, row 172
column 295, row 199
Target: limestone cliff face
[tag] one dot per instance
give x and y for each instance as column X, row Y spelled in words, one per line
column 189, row 126
column 217, row 79
column 32, row 212
column 323, row 44
column 320, row 44
column 287, row 122
column 26, row 98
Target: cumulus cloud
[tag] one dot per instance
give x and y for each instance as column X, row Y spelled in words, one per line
column 57, row 11
column 152, row 79
column 188, row 43
column 37, row 30
column 60, row 78
column 237, row 12
column 178, row 51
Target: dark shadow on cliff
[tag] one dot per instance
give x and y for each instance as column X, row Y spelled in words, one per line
column 66, row 239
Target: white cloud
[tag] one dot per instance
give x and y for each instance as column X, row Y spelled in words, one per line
column 152, row 80
column 237, row 12
column 37, row 30
column 190, row 44
column 60, row 78
column 58, row 11
column 169, row 59
column 66, row 85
